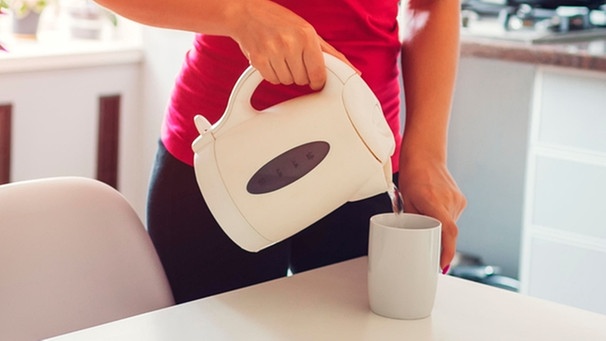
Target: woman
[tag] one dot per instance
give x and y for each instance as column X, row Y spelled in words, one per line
column 284, row 40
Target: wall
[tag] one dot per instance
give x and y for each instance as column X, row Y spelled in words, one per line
column 164, row 51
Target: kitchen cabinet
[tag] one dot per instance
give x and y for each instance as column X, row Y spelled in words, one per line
column 55, row 112
column 50, row 93
column 527, row 146
column 564, row 234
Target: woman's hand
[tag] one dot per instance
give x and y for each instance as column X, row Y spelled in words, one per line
column 428, row 188
column 284, row 47
column 430, row 53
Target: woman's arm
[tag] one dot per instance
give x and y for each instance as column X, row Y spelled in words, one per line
column 429, row 62
column 280, row 44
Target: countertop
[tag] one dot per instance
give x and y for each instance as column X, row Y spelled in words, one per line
column 585, row 55
column 331, row 303
column 55, row 55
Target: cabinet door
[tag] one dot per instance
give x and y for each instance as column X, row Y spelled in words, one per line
column 55, row 123
column 564, row 238
column 568, row 273
column 573, row 111
column 569, row 196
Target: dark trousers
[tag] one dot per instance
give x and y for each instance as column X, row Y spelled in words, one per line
column 200, row 260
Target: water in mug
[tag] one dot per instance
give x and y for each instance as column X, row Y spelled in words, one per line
column 397, row 204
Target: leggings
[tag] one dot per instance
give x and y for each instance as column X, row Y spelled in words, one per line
column 199, row 258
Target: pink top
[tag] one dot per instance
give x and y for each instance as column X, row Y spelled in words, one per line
column 366, row 31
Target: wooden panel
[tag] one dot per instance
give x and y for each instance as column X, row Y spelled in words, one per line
column 109, row 140
column 5, row 142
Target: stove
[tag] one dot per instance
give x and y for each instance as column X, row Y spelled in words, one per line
column 535, row 21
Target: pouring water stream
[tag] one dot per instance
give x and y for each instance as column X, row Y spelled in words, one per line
column 397, row 203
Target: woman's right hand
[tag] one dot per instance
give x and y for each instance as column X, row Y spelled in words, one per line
column 281, row 45
column 284, row 47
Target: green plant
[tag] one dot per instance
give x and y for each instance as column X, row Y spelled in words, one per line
column 22, row 8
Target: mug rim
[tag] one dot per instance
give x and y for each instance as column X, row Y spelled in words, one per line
column 435, row 223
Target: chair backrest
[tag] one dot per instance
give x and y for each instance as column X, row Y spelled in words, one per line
column 73, row 254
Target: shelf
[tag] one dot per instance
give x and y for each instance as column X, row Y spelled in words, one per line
column 24, row 56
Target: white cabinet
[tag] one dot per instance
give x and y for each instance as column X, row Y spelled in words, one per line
column 564, row 235
column 527, row 146
column 55, row 117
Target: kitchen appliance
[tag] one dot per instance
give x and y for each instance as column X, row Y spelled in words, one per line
column 269, row 174
column 535, row 21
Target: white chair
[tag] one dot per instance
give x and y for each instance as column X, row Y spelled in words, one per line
column 73, row 254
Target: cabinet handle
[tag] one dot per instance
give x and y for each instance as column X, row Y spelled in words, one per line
column 6, row 113
column 108, row 140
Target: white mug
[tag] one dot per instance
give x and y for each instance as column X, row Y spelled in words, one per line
column 403, row 264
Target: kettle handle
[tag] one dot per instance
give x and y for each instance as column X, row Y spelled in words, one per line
column 239, row 107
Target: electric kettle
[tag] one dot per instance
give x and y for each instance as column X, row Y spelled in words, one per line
column 269, row 174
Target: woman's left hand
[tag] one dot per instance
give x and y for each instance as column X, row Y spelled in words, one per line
column 428, row 188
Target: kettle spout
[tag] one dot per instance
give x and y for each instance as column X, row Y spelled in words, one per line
column 380, row 182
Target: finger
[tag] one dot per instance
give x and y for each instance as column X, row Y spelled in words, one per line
column 265, row 69
column 315, row 68
column 282, row 72
column 449, row 230
column 449, row 238
column 298, row 70
column 462, row 203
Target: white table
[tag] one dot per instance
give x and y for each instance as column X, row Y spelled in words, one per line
column 331, row 304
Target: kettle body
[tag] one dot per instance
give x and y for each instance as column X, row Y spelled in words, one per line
column 269, row 174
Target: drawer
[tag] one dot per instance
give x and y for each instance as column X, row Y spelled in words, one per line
column 569, row 196
column 572, row 110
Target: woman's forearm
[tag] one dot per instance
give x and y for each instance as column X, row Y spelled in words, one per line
column 429, row 63
column 283, row 46
column 207, row 16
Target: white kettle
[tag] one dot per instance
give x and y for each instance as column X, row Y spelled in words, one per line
column 269, row 174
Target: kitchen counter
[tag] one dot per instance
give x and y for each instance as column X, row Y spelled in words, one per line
column 586, row 55
column 35, row 56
